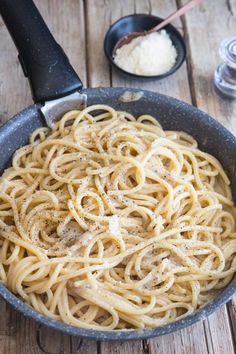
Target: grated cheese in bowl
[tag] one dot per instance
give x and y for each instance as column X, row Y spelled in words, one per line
column 152, row 54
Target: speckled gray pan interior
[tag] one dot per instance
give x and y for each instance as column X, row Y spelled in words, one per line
column 172, row 114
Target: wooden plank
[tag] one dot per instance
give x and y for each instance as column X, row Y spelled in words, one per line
column 202, row 69
column 19, row 335
column 133, row 347
column 218, row 333
column 23, row 336
column 232, row 313
column 203, row 44
column 6, row 326
column 97, row 22
column 52, row 342
column 14, row 89
column 181, row 342
column 27, row 337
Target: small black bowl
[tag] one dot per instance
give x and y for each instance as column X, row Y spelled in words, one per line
column 140, row 23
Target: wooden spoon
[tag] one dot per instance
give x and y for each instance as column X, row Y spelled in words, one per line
column 130, row 36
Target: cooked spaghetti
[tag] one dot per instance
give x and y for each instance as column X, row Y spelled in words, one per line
column 108, row 222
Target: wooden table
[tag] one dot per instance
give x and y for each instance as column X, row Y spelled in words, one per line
column 80, row 26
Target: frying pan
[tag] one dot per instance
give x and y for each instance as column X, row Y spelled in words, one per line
column 55, row 87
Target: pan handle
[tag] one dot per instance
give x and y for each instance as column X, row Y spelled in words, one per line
column 43, row 61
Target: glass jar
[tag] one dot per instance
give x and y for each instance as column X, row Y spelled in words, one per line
column 225, row 73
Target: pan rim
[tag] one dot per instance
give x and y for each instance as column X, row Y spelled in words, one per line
column 225, row 295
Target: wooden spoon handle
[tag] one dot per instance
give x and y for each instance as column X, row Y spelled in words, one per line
column 175, row 15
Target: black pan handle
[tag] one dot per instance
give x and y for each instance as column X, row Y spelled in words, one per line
column 43, row 61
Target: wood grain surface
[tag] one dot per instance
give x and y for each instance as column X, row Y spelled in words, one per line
column 79, row 26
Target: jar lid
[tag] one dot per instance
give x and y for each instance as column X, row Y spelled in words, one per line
column 227, row 51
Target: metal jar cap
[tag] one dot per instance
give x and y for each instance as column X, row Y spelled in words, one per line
column 227, row 52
